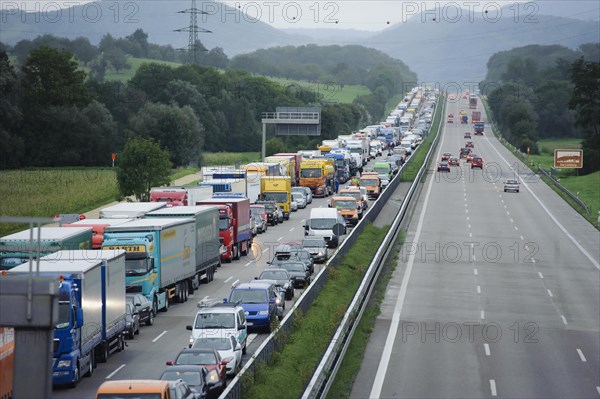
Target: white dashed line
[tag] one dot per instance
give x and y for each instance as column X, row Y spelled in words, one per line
column 250, row 338
column 108, row 377
column 550, row 293
column 581, row 356
column 474, row 258
column 522, row 238
column 469, row 226
column 228, row 279
column 598, row 389
column 540, row 274
column 487, row 349
column 292, row 229
column 475, row 272
column 159, row 336
column 206, row 297
column 493, row 387
column 468, row 218
column 302, row 222
column 482, row 315
column 248, row 264
column 563, row 318
column 533, row 260
column 235, row 282
column 280, row 238
column 470, row 234
column 516, row 228
column 466, row 210
column 478, row 289
column 511, row 220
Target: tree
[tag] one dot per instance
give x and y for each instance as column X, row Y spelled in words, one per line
column 84, row 50
column 142, row 165
column 12, row 146
column 274, row 145
column 141, row 38
column 117, row 59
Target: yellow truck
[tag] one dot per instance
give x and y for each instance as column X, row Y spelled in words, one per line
column 278, row 189
column 288, row 161
column 318, row 175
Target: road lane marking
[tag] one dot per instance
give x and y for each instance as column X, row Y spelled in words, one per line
column 482, row 315
column 292, row 229
column 108, row 377
column 598, row 389
column 248, row 264
column 487, row 349
column 475, row 272
column 540, row 274
column 581, row 356
column 302, row 221
column 469, row 226
column 474, row 258
column 479, row 289
column 228, row 279
column 466, row 210
column 522, row 238
column 516, row 228
column 250, row 338
column 159, row 336
column 470, row 234
column 280, row 238
column 550, row 293
column 564, row 230
column 265, row 250
column 511, row 220
column 533, row 260
column 564, row 319
column 493, row 387
column 235, row 282
column 384, row 361
column 468, row 218
column 206, row 297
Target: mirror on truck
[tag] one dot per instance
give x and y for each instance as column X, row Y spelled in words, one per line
column 339, row 229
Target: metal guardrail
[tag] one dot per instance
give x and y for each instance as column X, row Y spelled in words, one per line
column 326, row 371
column 278, row 337
column 565, row 190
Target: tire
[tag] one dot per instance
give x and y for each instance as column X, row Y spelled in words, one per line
column 102, row 351
column 155, row 306
column 131, row 334
column 245, row 252
column 244, row 349
column 150, row 319
column 90, row 367
column 166, row 308
column 120, row 343
column 236, row 251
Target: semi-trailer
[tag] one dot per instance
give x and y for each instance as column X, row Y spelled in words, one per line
column 130, row 210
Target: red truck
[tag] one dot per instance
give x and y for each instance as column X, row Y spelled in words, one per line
column 476, row 117
column 7, row 358
column 298, row 161
column 97, row 226
column 234, row 224
column 180, row 195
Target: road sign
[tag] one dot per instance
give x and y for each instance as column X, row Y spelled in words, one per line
column 568, row 159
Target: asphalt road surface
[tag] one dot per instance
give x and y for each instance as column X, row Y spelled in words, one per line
column 495, row 294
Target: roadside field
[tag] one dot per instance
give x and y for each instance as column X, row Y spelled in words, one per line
column 331, row 92
column 546, row 156
column 135, row 63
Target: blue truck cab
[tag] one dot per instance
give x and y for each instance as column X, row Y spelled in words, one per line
column 259, row 301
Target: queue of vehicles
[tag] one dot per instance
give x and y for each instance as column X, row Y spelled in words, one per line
column 147, row 256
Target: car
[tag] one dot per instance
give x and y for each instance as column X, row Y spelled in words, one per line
column 132, row 320
column 467, row 135
column 258, row 302
column 143, row 307
column 283, row 279
column 206, row 357
column 229, row 349
column 317, row 247
column 279, row 297
column 300, row 199
column 297, row 270
column 469, row 144
column 477, row 162
column 511, row 185
column 180, row 389
column 306, row 191
column 304, row 256
column 272, row 210
column 446, row 156
column 293, row 251
column 253, row 226
column 196, row 377
column 293, row 206
column 454, row 161
column 464, row 152
column 355, row 193
column 470, row 156
column 220, row 320
column 443, row 167
column 260, row 223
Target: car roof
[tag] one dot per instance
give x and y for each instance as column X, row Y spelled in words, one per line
column 274, row 269
column 185, row 367
column 197, row 350
column 251, row 286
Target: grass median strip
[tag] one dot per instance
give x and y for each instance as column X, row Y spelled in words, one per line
column 293, row 366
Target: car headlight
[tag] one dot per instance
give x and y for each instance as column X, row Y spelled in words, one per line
column 263, row 313
column 214, row 376
column 278, row 301
column 192, row 340
column 63, row 364
column 320, row 254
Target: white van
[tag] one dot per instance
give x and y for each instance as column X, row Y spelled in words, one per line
column 220, row 320
column 321, row 223
column 407, row 145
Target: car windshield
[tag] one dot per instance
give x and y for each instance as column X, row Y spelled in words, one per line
column 248, row 295
column 213, row 343
column 297, row 197
column 257, row 210
column 322, row 223
column 303, row 255
column 356, row 195
column 312, row 244
column 341, row 204
column 382, row 170
column 512, row 182
column 368, row 182
column 294, row 267
column 189, row 358
column 193, row 378
column 215, row 320
column 274, row 275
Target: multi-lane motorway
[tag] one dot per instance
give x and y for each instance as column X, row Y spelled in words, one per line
column 495, row 294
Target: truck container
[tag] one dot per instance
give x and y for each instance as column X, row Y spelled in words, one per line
column 180, row 195
column 16, row 248
column 91, row 309
column 361, row 147
column 289, row 161
column 318, row 176
column 130, row 210
column 160, row 261
column 476, row 116
column 297, row 161
column 7, row 361
column 207, row 237
column 479, row 128
column 308, row 154
column 97, row 226
column 234, row 225
column 255, row 170
column 473, row 101
column 279, row 189
column 240, row 183
column 342, row 166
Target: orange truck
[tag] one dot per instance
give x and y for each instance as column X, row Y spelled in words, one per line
column 372, row 183
column 7, row 359
column 318, row 175
column 347, row 207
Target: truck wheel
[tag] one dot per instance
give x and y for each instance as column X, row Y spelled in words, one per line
column 236, row 251
column 155, row 306
column 245, row 245
column 121, row 342
column 90, row 370
column 166, row 308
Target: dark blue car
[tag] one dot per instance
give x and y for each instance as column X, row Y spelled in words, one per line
column 259, row 301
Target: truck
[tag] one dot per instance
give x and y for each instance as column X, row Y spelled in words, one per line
column 130, row 210
column 179, row 195
column 234, row 225
column 7, row 361
column 16, row 248
column 207, row 254
column 91, row 309
column 289, row 161
column 240, row 183
column 159, row 259
column 476, row 116
column 297, row 161
column 479, row 128
column 279, row 189
column 473, row 101
column 316, row 175
column 97, row 226
column 255, row 170
column 360, row 147
column 342, row 166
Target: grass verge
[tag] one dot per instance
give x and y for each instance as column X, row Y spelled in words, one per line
column 292, row 367
column 229, row 158
column 47, row 192
column 350, row 367
column 181, row 172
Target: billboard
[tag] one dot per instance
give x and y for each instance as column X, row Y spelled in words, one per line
column 568, row 159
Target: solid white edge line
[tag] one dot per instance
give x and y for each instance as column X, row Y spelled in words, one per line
column 228, row 279
column 108, row 377
column 581, row 356
column 159, row 336
column 487, row 349
column 391, row 337
column 250, row 338
column 493, row 387
column 564, row 230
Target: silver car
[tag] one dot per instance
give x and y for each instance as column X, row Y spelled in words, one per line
column 511, row 185
column 300, row 199
column 306, row 191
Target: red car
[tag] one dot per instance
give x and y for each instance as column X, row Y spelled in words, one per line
column 446, row 156
column 443, row 166
column 206, row 357
column 470, row 144
column 477, row 162
column 453, row 161
column 464, row 152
